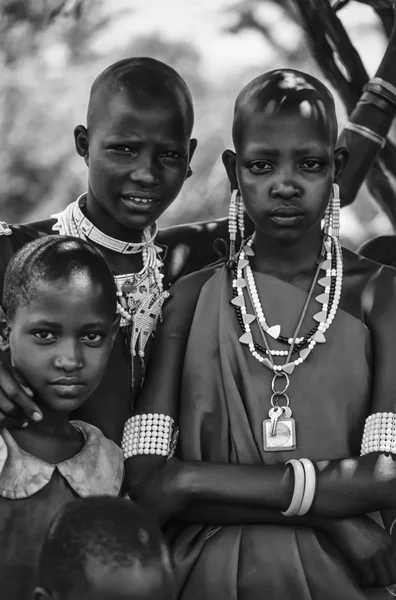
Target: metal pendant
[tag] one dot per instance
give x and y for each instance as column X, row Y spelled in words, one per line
column 279, row 431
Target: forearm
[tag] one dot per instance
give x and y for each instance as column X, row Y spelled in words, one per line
column 238, row 514
column 363, row 151
column 345, row 488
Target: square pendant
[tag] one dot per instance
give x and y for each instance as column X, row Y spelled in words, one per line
column 284, row 438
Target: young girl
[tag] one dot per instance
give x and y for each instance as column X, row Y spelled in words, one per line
column 60, row 306
column 271, row 367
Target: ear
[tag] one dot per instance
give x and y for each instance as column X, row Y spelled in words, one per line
column 229, row 162
column 4, row 332
column 341, row 156
column 115, row 327
column 82, row 143
column 42, row 594
column 193, row 147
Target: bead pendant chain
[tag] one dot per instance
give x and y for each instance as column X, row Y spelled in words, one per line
column 279, row 430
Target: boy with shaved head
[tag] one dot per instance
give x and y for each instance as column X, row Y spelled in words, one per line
column 137, row 146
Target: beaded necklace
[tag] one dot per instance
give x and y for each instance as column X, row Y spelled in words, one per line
column 140, row 296
column 279, row 430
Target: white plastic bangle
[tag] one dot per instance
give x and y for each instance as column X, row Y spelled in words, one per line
column 310, row 486
column 299, row 487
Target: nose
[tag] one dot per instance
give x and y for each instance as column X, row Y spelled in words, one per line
column 69, row 357
column 284, row 187
column 144, row 173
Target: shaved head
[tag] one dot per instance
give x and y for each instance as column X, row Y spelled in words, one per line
column 285, row 91
column 146, row 81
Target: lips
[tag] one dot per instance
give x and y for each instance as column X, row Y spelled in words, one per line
column 287, row 211
column 68, row 381
column 140, row 203
column 68, row 387
column 287, row 216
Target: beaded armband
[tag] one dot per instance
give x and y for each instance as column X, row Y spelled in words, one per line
column 379, row 433
column 149, row 434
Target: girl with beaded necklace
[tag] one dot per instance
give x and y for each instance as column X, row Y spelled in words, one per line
column 137, row 146
column 277, row 369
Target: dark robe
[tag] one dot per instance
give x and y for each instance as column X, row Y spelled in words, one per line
column 225, row 397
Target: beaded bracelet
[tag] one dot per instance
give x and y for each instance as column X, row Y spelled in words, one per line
column 379, row 434
column 149, row 434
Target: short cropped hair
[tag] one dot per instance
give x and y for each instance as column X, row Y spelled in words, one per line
column 283, row 91
column 49, row 259
column 144, row 79
column 116, row 532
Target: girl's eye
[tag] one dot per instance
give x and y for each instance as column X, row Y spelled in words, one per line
column 260, row 166
column 44, row 336
column 92, row 338
column 311, row 164
column 123, row 149
column 170, row 154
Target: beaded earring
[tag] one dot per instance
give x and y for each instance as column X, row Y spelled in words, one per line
column 232, row 222
column 241, row 218
column 336, row 211
column 332, row 214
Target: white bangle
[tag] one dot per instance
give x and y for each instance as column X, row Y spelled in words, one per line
column 149, row 434
column 367, row 133
column 299, row 486
column 310, row 486
column 379, row 433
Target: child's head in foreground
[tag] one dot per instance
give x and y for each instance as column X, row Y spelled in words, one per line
column 59, row 299
column 285, row 160
column 103, row 548
column 137, row 141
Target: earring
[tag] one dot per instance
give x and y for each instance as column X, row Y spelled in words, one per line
column 241, row 218
column 336, row 211
column 232, row 222
column 332, row 214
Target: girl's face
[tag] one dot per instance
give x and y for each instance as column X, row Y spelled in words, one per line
column 61, row 340
column 285, row 169
column 138, row 160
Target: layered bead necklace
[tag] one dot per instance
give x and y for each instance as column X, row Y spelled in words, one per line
column 140, row 296
column 279, row 429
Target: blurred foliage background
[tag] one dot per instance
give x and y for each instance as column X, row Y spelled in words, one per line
column 51, row 51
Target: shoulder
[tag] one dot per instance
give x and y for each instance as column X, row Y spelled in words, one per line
column 191, row 247
column 99, row 466
column 203, row 229
column 381, row 249
column 188, row 288
column 179, row 308
column 364, row 280
column 14, row 237
column 375, row 284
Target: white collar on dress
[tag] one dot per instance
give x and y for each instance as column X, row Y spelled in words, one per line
column 98, row 468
